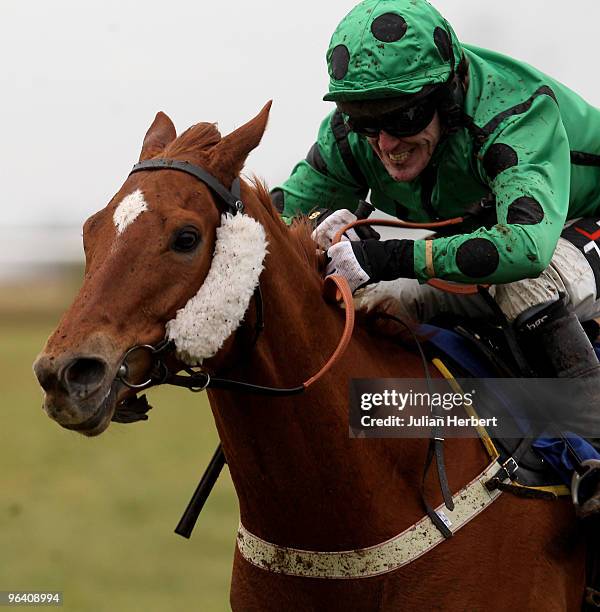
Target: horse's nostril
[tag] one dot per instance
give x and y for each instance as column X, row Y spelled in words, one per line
column 85, row 375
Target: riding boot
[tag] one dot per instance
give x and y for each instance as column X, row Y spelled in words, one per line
column 591, row 506
column 557, row 346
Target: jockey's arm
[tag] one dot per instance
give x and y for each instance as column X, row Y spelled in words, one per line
column 526, row 164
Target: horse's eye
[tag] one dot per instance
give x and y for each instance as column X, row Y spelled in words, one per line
column 185, row 240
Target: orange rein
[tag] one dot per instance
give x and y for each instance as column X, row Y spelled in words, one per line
column 336, row 288
column 457, row 288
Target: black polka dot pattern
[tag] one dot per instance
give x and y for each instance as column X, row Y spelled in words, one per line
column 477, row 258
column 443, row 43
column 389, row 27
column 340, row 58
column 525, row 211
column 499, row 157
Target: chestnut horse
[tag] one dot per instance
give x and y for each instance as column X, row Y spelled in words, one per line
column 300, row 480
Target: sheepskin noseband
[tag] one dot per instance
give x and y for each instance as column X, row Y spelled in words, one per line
column 201, row 327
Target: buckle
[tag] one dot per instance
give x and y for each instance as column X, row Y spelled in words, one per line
column 507, row 471
column 509, row 467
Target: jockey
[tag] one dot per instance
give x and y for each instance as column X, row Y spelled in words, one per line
column 436, row 129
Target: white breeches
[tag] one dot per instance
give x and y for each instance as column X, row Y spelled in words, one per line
column 569, row 272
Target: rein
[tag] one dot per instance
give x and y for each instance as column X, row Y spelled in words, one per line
column 200, row 380
column 335, row 289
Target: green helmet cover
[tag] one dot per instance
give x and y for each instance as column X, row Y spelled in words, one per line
column 390, row 48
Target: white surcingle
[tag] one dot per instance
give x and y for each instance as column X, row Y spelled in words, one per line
column 201, row 327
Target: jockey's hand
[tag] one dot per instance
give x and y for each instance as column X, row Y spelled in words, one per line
column 330, row 223
column 371, row 261
column 347, row 259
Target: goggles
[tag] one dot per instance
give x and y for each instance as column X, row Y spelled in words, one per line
column 404, row 122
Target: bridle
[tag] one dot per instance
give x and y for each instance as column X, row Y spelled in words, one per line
column 232, row 199
column 335, row 289
column 199, row 380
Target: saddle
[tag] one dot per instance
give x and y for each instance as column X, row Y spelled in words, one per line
column 479, row 348
column 476, row 349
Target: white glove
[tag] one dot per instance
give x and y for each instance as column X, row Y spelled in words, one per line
column 325, row 232
column 343, row 261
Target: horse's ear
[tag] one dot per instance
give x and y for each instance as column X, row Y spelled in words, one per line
column 159, row 135
column 229, row 155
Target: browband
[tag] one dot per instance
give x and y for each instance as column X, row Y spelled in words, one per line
column 230, row 198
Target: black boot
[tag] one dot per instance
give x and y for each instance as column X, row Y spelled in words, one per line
column 557, row 346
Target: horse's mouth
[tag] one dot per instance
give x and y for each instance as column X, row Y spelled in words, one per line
column 129, row 409
column 113, row 399
column 100, row 420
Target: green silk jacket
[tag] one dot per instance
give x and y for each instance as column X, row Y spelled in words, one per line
column 528, row 144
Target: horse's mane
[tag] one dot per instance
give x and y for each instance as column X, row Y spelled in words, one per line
column 299, row 232
column 196, row 138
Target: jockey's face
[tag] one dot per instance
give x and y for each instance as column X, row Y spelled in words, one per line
column 406, row 157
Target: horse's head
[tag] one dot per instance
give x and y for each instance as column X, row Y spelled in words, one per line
column 150, row 254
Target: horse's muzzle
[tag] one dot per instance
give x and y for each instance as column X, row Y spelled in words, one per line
column 79, row 391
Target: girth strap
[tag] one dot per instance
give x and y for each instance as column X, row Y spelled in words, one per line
column 381, row 558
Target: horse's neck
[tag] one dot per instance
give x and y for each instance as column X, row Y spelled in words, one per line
column 300, row 479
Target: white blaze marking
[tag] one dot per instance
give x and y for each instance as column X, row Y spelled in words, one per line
column 129, row 209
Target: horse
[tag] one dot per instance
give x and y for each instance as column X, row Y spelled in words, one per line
column 303, row 484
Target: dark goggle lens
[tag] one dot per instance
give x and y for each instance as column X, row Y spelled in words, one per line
column 404, row 122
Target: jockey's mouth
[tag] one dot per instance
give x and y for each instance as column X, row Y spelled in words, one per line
column 400, row 158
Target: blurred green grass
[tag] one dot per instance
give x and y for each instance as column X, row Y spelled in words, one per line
column 94, row 518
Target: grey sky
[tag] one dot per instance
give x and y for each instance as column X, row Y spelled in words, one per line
column 81, row 81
